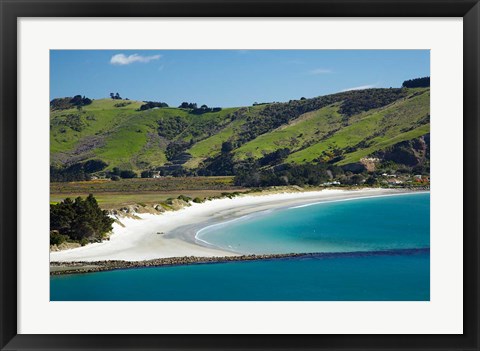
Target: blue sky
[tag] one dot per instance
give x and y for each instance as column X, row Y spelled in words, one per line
column 228, row 78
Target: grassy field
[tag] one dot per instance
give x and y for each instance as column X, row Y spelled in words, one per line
column 112, row 200
column 115, row 194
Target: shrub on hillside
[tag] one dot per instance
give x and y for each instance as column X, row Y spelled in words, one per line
column 175, row 149
column 188, row 105
column 184, row 198
column 69, row 102
column 198, row 200
column 76, row 172
column 171, row 127
column 56, row 238
column 205, row 109
column 127, row 174
column 147, row 174
column 152, row 104
column 92, row 166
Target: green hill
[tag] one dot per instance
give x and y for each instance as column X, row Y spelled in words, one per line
column 339, row 129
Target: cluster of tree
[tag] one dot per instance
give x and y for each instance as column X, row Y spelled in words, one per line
column 221, row 165
column 152, row 104
column 248, row 173
column 148, row 173
column 196, row 110
column 358, row 101
column 117, row 173
column 76, row 172
column 115, row 96
column 79, row 100
column 417, row 83
column 78, row 221
column 189, row 105
column 71, row 173
column 171, row 127
column 205, row 109
column 227, row 146
column 175, row 149
column 274, row 158
column 122, row 104
column 69, row 102
column 177, row 171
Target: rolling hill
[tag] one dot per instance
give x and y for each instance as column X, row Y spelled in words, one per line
column 340, row 129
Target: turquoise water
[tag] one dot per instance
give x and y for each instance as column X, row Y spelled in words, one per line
column 370, row 224
column 380, row 245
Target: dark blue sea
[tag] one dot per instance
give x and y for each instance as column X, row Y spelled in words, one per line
column 372, row 249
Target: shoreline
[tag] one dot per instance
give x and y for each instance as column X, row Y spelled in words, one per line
column 173, row 234
column 193, row 234
column 66, row 268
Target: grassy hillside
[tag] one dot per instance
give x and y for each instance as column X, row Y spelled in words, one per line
column 124, row 136
column 340, row 128
column 374, row 130
column 309, row 128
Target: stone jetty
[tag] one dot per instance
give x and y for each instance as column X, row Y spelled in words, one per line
column 57, row 268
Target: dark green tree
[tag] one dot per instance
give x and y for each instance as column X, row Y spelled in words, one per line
column 126, row 174
column 79, row 220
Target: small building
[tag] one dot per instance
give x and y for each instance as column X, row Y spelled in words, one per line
column 331, row 183
column 392, row 181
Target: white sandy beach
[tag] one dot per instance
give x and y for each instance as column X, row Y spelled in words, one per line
column 138, row 239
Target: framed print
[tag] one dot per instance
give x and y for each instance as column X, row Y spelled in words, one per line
column 235, row 175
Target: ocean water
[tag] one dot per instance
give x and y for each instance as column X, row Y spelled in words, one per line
column 374, row 249
column 368, row 224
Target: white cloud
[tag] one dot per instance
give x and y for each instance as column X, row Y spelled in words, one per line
column 122, row 59
column 320, row 71
column 361, row 87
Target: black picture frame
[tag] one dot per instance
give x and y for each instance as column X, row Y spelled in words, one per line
column 11, row 10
